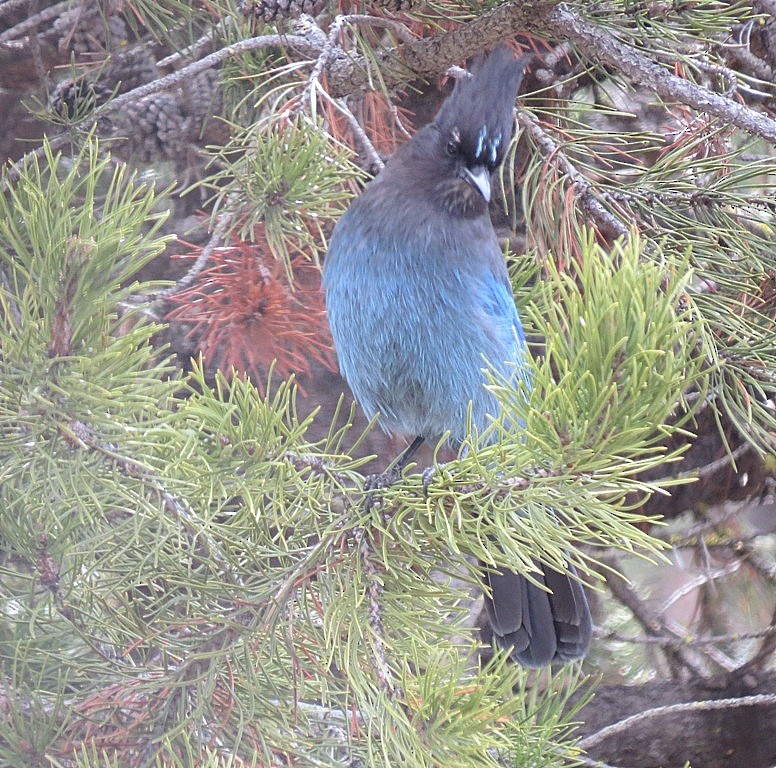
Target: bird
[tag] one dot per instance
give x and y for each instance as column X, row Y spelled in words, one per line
column 418, row 297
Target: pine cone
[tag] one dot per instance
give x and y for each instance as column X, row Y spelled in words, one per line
column 272, row 10
column 201, row 97
column 397, row 5
column 77, row 97
column 129, row 68
column 150, row 130
column 165, row 126
column 86, row 29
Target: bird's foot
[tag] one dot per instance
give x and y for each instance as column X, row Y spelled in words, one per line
column 373, row 483
column 428, row 475
column 391, row 475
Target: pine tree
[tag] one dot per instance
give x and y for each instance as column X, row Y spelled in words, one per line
column 189, row 575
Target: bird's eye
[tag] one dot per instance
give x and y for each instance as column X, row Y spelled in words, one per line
column 453, row 146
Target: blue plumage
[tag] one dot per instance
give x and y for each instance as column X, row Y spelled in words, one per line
column 413, row 350
column 419, row 304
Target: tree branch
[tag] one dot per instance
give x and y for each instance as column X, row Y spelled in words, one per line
column 671, row 709
column 433, row 55
column 589, row 200
column 600, row 45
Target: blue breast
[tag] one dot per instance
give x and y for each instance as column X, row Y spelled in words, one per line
column 414, row 321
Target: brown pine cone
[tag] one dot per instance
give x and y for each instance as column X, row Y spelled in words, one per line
column 273, row 10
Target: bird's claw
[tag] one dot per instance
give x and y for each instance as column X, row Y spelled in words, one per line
column 389, row 477
column 428, row 475
column 374, row 482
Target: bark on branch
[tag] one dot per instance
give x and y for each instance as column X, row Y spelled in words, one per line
column 552, row 20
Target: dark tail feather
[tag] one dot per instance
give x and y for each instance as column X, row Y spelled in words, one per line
column 540, row 627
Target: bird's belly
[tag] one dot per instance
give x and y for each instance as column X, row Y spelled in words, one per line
column 421, row 381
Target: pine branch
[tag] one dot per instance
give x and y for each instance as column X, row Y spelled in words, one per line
column 763, row 699
column 80, row 434
column 589, row 199
column 600, row 45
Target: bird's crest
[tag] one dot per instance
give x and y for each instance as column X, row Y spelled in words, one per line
column 478, row 114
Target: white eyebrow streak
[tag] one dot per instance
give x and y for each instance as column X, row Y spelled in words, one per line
column 494, row 147
column 481, row 140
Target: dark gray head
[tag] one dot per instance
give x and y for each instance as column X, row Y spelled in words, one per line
column 470, row 135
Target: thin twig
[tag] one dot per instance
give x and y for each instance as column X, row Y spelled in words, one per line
column 713, row 467
column 699, row 581
column 689, row 639
column 374, row 594
column 711, row 652
column 399, row 122
column 327, row 52
column 355, row 126
column 223, row 223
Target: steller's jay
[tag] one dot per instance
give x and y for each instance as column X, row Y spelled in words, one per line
column 418, row 298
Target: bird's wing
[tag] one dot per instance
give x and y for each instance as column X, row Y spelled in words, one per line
column 501, row 309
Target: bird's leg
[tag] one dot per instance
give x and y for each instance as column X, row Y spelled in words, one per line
column 392, row 474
